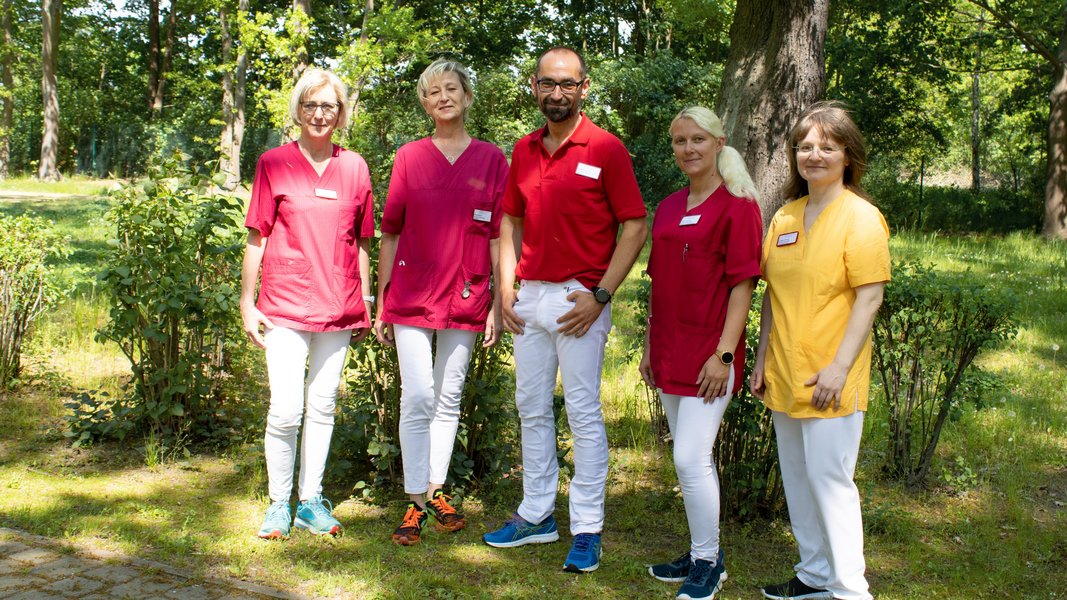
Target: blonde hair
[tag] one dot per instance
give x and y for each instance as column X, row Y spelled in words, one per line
column 730, row 164
column 438, row 68
column 311, row 81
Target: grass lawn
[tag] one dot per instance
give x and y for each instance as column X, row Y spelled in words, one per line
column 992, row 524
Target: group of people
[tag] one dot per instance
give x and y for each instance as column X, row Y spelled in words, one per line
column 566, row 221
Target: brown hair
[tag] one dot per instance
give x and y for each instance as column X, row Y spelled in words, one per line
column 834, row 121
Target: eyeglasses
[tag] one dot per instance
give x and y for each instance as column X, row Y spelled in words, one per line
column 808, row 149
column 547, row 86
column 329, row 109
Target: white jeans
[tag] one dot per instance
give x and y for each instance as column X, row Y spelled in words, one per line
column 818, row 460
column 694, row 426
column 301, row 364
column 539, row 352
column 430, row 395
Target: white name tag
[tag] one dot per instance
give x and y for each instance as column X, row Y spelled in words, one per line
column 325, row 193
column 788, row 239
column 588, row 171
column 690, row 220
column 483, row 215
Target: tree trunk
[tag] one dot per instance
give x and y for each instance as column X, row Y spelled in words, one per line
column 233, row 101
column 976, row 114
column 238, row 109
column 302, row 58
column 357, row 88
column 1056, row 185
column 775, row 69
column 226, row 141
column 159, row 58
column 51, row 12
column 7, row 113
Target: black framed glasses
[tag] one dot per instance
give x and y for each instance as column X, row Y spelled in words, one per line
column 567, row 86
column 328, row 109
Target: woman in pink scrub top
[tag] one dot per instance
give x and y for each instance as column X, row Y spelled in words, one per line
column 309, row 221
column 439, row 250
column 704, row 265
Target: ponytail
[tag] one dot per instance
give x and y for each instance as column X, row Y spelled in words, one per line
column 731, row 165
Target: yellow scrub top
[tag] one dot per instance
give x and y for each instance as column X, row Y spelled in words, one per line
column 811, row 278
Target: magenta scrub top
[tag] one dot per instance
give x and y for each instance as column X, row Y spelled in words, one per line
column 697, row 256
column 313, row 224
column 445, row 215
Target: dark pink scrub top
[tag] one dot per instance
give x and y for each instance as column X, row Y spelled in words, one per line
column 310, row 279
column 445, row 215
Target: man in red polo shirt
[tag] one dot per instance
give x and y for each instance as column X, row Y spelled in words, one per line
column 570, row 188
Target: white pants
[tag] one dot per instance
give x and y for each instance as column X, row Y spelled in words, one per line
column 301, row 364
column 539, row 352
column 430, row 395
column 694, row 426
column 818, row 460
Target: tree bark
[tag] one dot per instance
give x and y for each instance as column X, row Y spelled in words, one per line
column 51, row 12
column 7, row 113
column 1056, row 185
column 976, row 114
column 160, row 53
column 302, row 58
column 238, row 108
column 775, row 69
column 357, row 88
column 233, row 101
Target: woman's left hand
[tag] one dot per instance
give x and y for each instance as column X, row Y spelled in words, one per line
column 359, row 334
column 493, row 324
column 828, row 385
column 713, row 379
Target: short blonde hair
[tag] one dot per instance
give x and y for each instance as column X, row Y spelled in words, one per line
column 311, row 81
column 438, row 68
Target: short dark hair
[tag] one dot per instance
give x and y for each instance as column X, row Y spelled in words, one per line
column 583, row 70
column 833, row 120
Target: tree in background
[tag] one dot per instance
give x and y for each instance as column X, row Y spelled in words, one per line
column 51, row 12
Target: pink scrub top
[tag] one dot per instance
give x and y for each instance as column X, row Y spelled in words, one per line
column 445, row 215
column 313, row 224
column 697, row 257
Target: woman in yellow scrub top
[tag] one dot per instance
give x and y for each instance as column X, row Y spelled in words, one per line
column 826, row 262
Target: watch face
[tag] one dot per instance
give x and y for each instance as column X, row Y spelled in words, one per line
column 602, row 296
column 727, row 358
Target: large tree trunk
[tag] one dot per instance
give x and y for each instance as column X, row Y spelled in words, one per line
column 775, row 69
column 7, row 113
column 51, row 11
column 233, row 100
column 302, row 58
column 226, row 141
column 238, row 109
column 1056, row 185
column 159, row 55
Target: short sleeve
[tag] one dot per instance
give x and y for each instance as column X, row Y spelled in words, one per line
column 513, row 202
column 500, row 183
column 396, row 199
column 772, row 233
column 366, row 196
column 867, row 247
column 620, row 184
column 262, row 208
column 743, row 242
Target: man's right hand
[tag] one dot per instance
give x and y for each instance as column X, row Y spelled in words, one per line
column 512, row 322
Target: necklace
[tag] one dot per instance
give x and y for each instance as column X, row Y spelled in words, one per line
column 452, row 150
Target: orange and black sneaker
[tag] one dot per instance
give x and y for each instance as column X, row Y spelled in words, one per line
column 410, row 530
column 446, row 517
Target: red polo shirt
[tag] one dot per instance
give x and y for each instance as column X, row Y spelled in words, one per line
column 571, row 203
column 445, row 215
column 697, row 257
column 313, row 224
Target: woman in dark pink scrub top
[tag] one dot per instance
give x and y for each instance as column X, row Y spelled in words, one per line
column 439, row 250
column 309, row 221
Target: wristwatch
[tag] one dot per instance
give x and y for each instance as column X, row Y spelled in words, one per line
column 725, row 357
column 602, row 296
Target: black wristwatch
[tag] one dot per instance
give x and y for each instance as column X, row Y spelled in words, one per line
column 725, row 357
column 602, row 296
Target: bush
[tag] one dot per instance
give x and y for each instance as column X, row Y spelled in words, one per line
column 928, row 332
column 172, row 285
column 27, row 284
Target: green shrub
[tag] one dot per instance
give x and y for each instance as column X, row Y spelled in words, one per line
column 928, row 332
column 172, row 281
column 27, row 284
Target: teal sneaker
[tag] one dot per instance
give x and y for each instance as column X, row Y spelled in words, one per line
column 517, row 531
column 585, row 554
column 313, row 515
column 704, row 580
column 673, row 572
column 277, row 522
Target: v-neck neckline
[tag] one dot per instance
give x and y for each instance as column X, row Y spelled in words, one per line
column 310, row 168
column 444, row 158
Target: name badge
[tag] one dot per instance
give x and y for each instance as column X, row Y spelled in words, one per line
column 483, row 215
column 689, row 220
column 788, row 239
column 588, row 171
column 325, row 193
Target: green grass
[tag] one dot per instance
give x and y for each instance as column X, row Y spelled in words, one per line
column 991, row 525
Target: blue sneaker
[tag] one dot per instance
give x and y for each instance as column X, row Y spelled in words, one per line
column 517, row 531
column 313, row 515
column 673, row 572
column 585, row 553
column 704, row 580
column 277, row 522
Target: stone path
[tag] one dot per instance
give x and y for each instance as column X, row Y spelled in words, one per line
column 38, row 568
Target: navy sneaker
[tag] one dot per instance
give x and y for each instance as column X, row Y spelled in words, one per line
column 517, row 531
column 313, row 516
column 794, row 589
column 704, row 580
column 674, row 571
column 585, row 554
column 277, row 522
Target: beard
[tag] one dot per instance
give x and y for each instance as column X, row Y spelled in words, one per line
column 558, row 112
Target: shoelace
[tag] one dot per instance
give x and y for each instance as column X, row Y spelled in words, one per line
column 411, row 518
column 584, row 542
column 277, row 509
column 442, row 506
column 317, row 506
column 699, row 572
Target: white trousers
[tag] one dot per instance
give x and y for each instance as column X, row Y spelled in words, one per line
column 818, row 460
column 694, row 426
column 539, row 353
column 430, row 395
column 303, row 367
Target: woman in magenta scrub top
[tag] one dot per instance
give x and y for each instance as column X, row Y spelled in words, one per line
column 704, row 266
column 309, row 221
column 439, row 249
